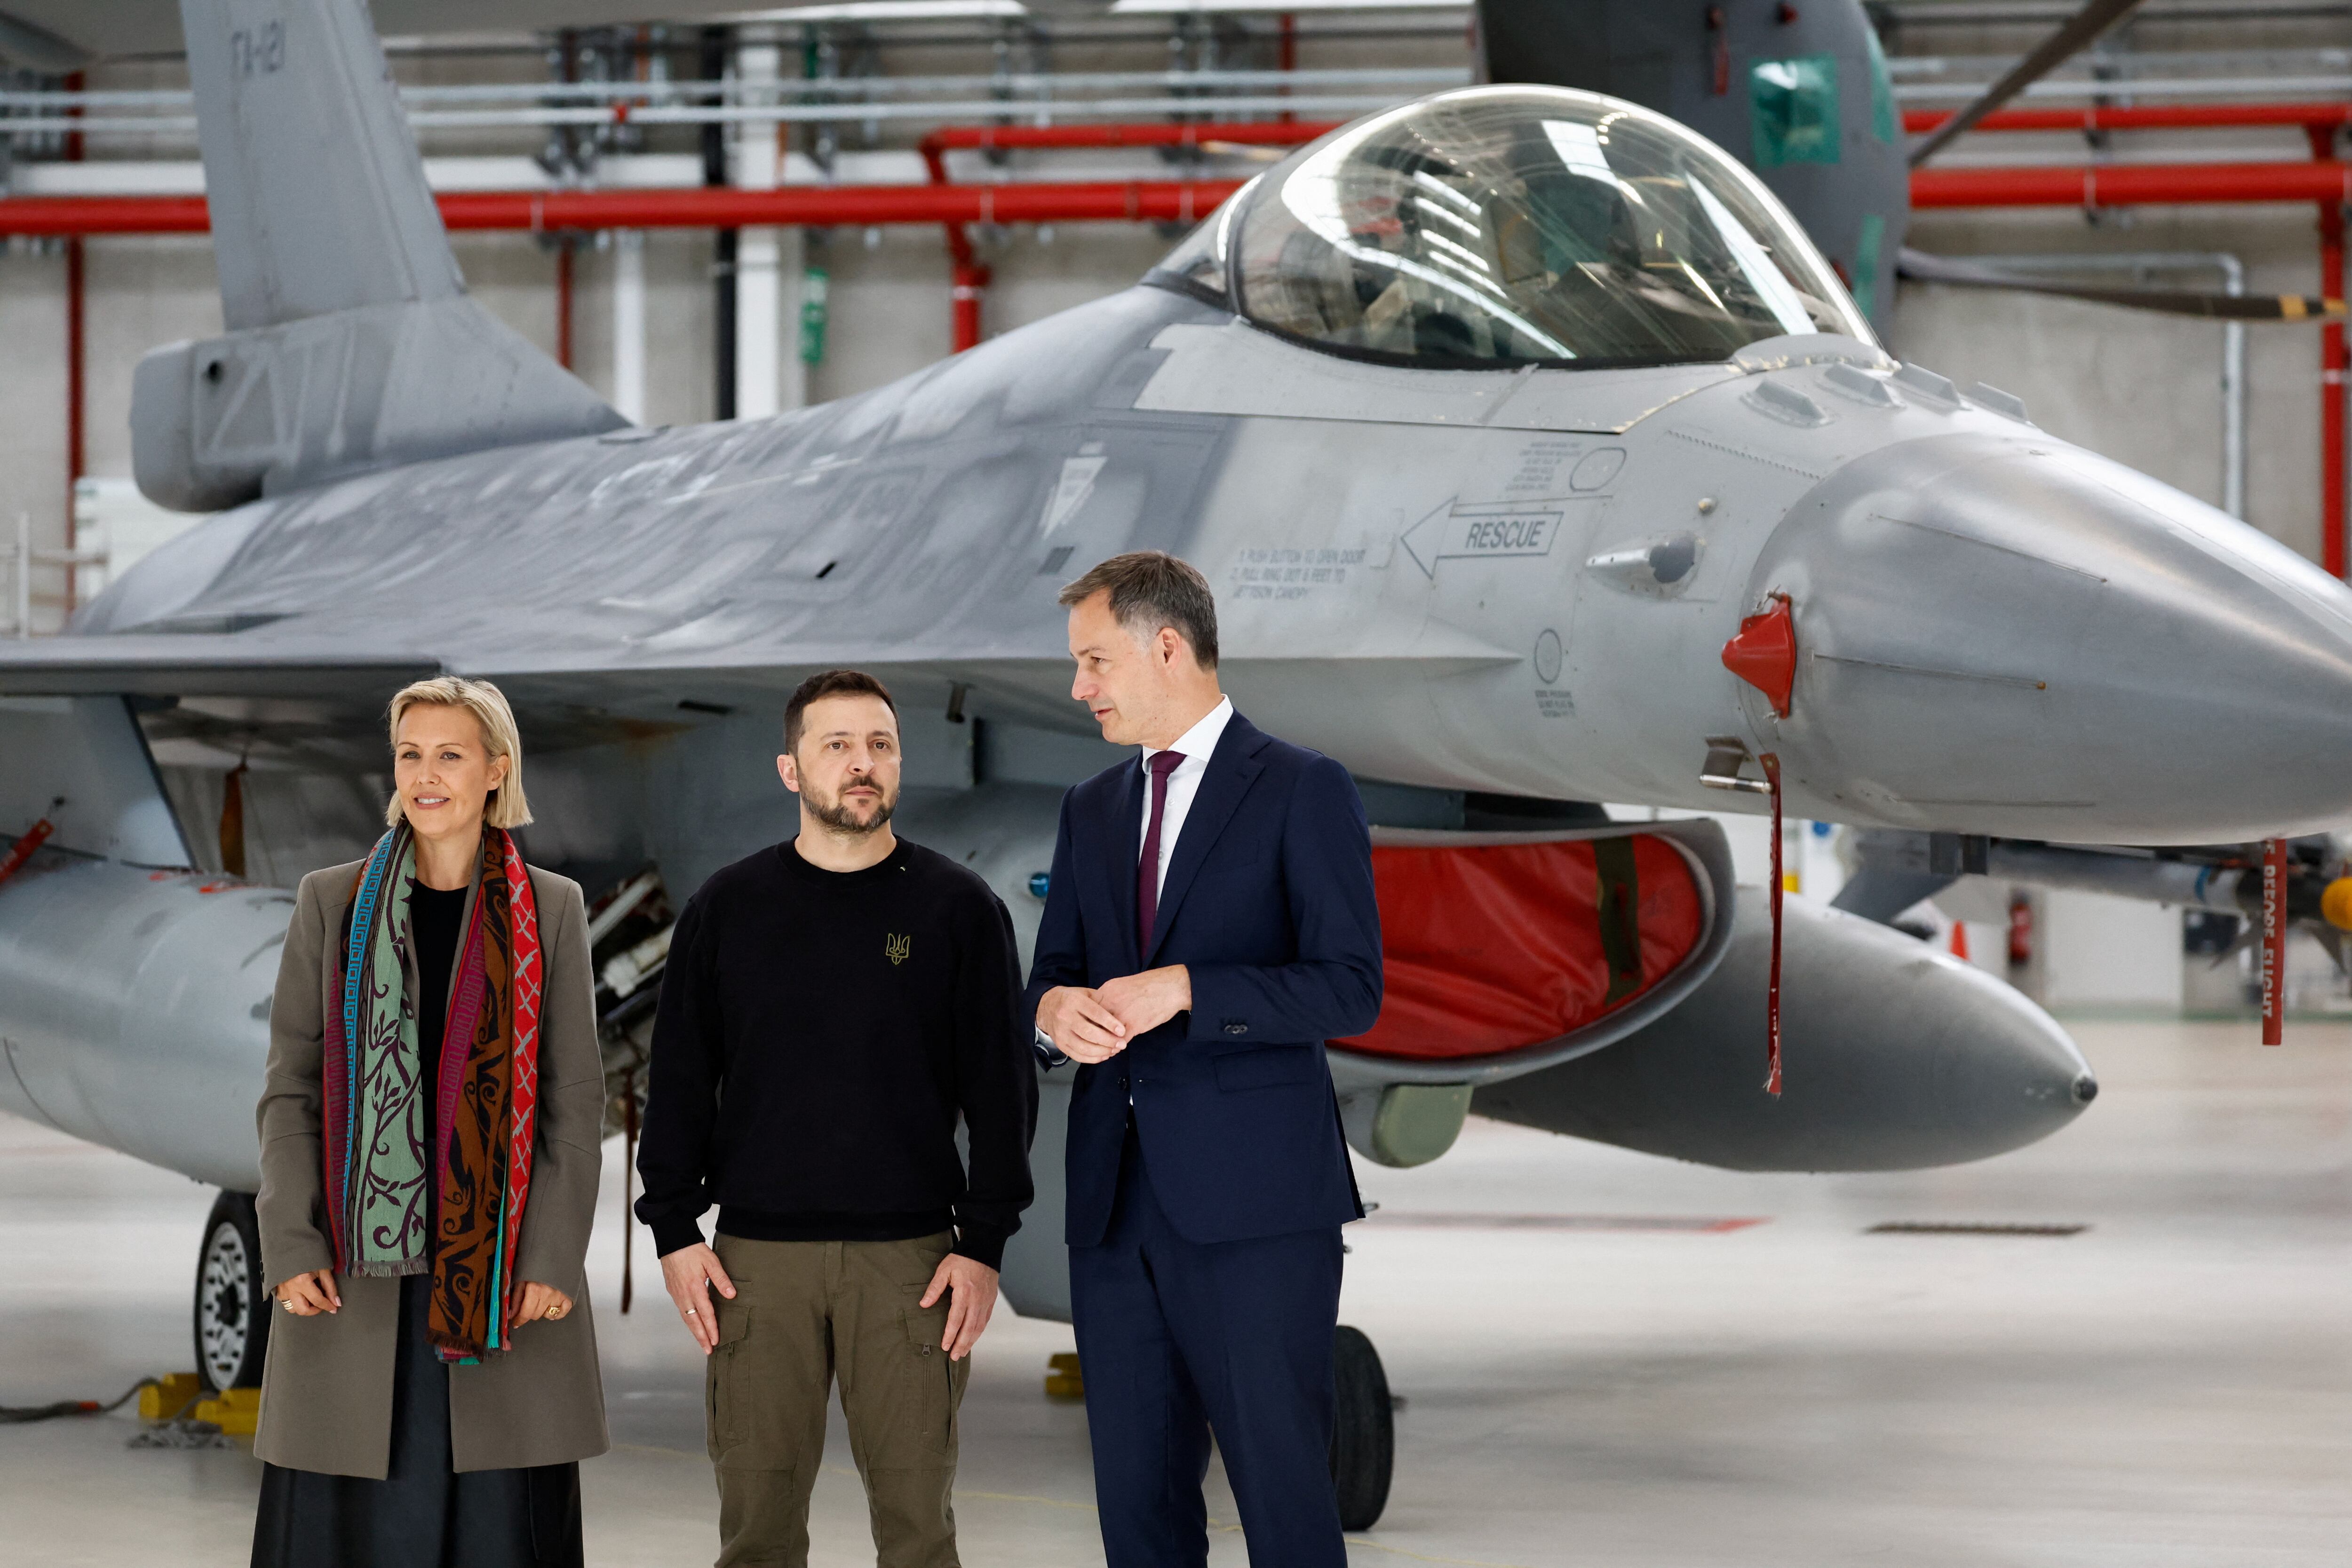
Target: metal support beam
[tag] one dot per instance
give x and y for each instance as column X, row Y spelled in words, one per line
column 629, row 324
column 758, row 253
column 2332, row 360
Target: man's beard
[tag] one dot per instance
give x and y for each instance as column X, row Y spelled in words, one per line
column 835, row 814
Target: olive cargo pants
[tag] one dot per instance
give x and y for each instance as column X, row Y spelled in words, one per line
column 803, row 1314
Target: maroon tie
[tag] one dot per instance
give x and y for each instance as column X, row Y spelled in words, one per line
column 1147, row 870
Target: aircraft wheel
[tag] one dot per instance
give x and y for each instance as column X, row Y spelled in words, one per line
column 232, row 1315
column 1363, row 1435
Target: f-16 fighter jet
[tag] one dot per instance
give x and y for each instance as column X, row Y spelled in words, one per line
column 1537, row 459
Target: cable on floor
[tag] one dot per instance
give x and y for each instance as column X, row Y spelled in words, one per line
column 20, row 1415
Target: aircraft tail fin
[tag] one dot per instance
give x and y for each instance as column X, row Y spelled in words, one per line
column 318, row 202
column 353, row 343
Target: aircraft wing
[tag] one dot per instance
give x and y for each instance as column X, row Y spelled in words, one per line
column 166, row 665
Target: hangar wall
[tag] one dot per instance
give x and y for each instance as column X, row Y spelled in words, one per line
column 2142, row 388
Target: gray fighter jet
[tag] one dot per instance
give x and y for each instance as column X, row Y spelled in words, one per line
column 1537, row 458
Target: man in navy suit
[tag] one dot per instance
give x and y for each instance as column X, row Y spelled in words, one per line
column 1209, row 924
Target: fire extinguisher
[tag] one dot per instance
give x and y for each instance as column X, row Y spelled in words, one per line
column 2021, row 931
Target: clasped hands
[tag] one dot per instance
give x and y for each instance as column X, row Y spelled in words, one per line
column 307, row 1295
column 1093, row 1024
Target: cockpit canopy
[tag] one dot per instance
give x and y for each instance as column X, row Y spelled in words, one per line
column 1510, row 226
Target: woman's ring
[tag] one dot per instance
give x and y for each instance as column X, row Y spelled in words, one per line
column 690, row 1311
column 286, row 1302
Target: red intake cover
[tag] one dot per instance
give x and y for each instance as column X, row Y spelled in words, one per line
column 1493, row 948
column 1764, row 654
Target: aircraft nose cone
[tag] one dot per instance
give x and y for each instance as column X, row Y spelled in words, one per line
column 2010, row 635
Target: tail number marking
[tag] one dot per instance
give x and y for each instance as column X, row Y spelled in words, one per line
column 258, row 51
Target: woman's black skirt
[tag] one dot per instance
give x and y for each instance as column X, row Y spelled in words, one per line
column 423, row 1514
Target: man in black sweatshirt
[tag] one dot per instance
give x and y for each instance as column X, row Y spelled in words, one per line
column 832, row 1005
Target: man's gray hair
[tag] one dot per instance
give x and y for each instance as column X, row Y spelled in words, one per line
column 1151, row 588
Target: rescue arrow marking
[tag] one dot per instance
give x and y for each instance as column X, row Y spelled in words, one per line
column 1484, row 529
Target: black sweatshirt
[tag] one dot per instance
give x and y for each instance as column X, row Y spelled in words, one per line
column 819, row 1033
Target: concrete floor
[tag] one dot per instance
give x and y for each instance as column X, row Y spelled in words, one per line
column 2173, row 1387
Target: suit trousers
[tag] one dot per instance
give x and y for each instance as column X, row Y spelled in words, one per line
column 803, row 1314
column 1179, row 1340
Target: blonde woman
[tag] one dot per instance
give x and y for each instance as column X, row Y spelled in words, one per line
column 429, row 1156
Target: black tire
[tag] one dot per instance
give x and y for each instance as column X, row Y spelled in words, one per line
column 1363, row 1435
column 232, row 1311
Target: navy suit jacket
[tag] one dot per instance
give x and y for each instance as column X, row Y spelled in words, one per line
column 1268, row 904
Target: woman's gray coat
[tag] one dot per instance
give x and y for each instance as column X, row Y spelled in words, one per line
column 326, row 1391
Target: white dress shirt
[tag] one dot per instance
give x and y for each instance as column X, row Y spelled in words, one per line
column 1183, row 783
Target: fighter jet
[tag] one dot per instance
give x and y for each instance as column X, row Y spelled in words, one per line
column 1537, row 456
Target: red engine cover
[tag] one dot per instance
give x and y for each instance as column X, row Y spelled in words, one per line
column 1493, row 948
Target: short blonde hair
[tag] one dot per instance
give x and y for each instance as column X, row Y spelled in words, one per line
column 505, row 807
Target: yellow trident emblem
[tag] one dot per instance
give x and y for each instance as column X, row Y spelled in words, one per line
column 897, row 947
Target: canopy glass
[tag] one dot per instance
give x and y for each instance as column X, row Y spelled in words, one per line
column 1508, row 226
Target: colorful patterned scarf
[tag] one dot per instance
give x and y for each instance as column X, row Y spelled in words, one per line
column 454, row 1210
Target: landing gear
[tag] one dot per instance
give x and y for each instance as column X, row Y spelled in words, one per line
column 232, row 1316
column 1363, row 1435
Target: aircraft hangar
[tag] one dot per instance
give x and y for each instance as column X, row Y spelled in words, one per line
column 1818, row 529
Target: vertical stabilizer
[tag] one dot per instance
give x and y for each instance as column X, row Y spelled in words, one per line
column 318, row 202
column 352, row 344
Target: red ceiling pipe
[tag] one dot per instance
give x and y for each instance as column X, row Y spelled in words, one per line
column 2152, row 117
column 966, row 287
column 2333, row 362
column 1177, row 200
column 710, row 206
column 103, row 215
column 1165, row 201
column 2131, row 184
column 828, row 206
column 563, row 303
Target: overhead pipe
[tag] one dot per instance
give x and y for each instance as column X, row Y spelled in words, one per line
column 593, row 100
column 967, row 288
column 716, row 87
column 2132, row 184
column 1155, row 200
column 2143, row 117
column 1278, row 93
column 1040, row 108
